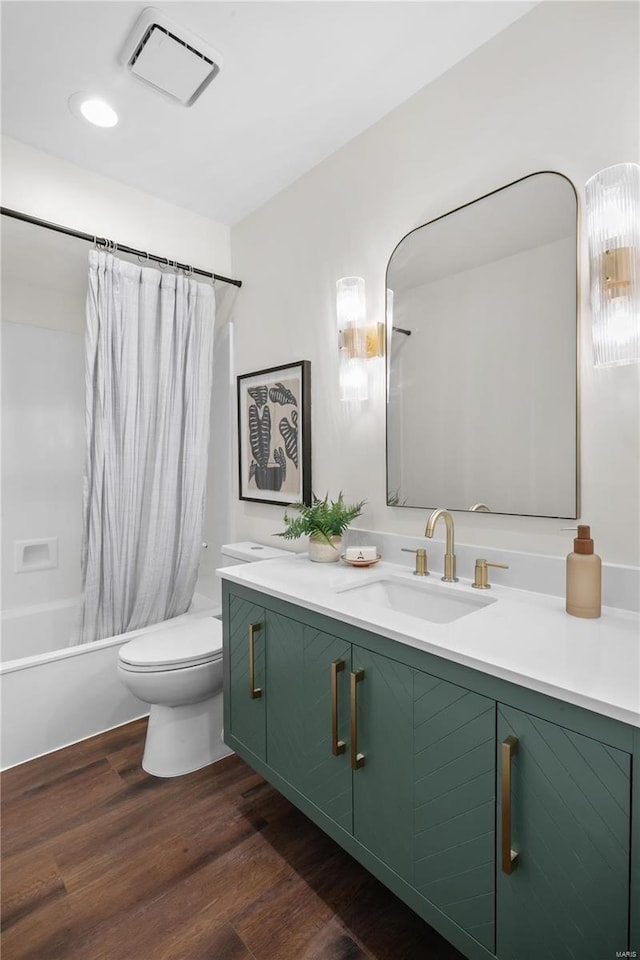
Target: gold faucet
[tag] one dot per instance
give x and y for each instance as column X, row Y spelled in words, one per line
column 449, row 557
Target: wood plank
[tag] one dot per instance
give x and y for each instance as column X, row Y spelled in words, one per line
column 29, row 881
column 334, row 943
column 105, row 862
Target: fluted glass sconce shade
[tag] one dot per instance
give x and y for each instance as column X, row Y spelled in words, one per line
column 351, row 312
column 354, row 382
column 358, row 341
column 613, row 226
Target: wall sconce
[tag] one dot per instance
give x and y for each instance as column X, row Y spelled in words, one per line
column 358, row 342
column 613, row 228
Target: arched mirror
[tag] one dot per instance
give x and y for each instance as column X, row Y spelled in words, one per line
column 482, row 355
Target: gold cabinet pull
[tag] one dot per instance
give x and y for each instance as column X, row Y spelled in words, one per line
column 337, row 746
column 509, row 856
column 254, row 692
column 357, row 759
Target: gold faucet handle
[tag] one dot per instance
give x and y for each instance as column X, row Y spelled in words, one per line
column 481, row 581
column 421, row 561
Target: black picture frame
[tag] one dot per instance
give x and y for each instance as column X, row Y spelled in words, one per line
column 274, row 434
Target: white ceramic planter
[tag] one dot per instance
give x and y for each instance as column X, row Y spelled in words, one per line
column 321, row 552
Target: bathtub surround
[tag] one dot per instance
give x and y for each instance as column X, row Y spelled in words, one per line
column 42, row 450
column 149, row 353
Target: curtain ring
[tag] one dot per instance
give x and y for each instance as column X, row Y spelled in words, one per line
column 144, row 258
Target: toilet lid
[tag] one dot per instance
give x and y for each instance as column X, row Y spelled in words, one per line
column 187, row 644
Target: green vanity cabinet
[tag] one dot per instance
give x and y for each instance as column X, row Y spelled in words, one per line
column 245, row 676
column 431, row 773
column 454, row 803
column 321, row 689
column 382, row 740
column 567, row 894
column 299, row 683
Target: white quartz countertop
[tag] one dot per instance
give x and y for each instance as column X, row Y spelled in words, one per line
column 526, row 638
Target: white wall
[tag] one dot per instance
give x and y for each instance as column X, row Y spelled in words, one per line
column 558, row 90
column 51, row 189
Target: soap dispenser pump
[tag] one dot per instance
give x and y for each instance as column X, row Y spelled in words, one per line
column 584, row 577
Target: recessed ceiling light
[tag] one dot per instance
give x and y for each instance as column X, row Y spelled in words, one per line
column 87, row 107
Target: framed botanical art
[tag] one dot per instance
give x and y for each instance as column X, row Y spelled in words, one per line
column 274, row 434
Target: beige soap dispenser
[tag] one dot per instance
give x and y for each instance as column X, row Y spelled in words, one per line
column 584, row 577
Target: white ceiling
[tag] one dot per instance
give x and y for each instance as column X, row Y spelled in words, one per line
column 299, row 80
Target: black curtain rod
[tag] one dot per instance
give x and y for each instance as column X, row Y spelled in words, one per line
column 110, row 245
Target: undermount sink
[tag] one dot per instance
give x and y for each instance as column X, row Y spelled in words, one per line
column 426, row 601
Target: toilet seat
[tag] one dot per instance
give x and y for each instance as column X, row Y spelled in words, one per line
column 175, row 648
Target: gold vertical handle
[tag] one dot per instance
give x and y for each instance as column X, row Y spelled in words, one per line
column 254, row 692
column 357, row 759
column 509, row 856
column 337, row 746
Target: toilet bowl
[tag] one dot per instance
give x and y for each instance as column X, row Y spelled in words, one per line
column 178, row 671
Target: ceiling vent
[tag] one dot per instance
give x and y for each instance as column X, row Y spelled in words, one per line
column 169, row 58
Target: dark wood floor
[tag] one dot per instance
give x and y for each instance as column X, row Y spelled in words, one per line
column 103, row 862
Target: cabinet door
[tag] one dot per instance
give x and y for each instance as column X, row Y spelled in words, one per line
column 383, row 784
column 247, row 637
column 299, row 714
column 568, row 893
column 454, row 797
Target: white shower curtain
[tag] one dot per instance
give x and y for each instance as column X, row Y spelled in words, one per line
column 149, row 345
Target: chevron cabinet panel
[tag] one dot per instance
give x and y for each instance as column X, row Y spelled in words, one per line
column 383, row 786
column 247, row 713
column 285, row 703
column 327, row 777
column 299, row 714
column 454, row 803
column 568, row 893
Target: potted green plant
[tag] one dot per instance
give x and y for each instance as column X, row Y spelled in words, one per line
column 324, row 522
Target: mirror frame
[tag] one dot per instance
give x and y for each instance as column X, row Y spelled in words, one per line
column 462, row 206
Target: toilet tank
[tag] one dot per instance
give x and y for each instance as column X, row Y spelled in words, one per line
column 248, row 552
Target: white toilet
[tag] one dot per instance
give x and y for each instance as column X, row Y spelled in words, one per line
column 178, row 671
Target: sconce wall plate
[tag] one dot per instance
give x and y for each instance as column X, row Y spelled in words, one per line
column 364, row 343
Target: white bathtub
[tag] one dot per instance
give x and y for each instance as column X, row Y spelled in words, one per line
column 53, row 694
